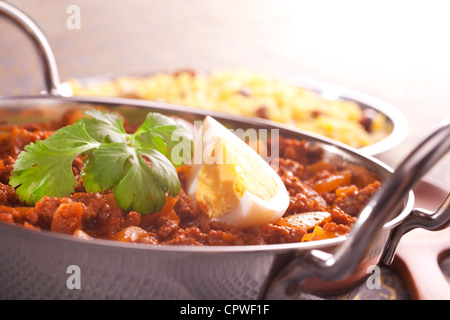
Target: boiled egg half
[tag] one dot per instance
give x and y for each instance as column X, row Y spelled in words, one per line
column 230, row 182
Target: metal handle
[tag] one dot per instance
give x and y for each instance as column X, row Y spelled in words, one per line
column 386, row 202
column 45, row 52
column 419, row 218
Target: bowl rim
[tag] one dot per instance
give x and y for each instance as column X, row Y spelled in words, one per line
column 206, row 250
column 332, row 91
column 327, row 90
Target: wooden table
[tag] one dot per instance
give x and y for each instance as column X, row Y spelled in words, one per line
column 395, row 51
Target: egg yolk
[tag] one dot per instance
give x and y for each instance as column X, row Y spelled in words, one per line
column 221, row 185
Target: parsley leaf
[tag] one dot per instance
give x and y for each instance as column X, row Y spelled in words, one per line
column 135, row 167
column 166, row 136
column 150, row 181
column 102, row 173
column 45, row 168
column 105, row 126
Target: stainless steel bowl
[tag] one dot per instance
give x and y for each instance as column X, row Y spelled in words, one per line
column 39, row 264
column 33, row 261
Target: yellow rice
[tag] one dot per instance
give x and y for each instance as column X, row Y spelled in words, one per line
column 250, row 94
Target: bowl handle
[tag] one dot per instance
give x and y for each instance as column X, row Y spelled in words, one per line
column 51, row 76
column 386, row 203
column 417, row 255
column 418, row 218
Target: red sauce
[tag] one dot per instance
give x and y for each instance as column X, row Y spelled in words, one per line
column 314, row 185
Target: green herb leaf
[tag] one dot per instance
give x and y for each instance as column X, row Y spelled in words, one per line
column 151, row 181
column 105, row 127
column 45, row 167
column 166, row 136
column 136, row 167
column 163, row 171
column 99, row 172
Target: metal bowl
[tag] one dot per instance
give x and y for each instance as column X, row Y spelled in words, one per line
column 35, row 263
column 156, row 272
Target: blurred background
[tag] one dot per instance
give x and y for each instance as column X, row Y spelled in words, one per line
column 396, row 51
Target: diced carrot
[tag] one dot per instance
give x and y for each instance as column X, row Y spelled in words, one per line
column 318, row 234
column 328, row 184
column 344, row 191
column 305, row 220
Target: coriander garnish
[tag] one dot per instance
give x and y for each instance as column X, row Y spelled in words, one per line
column 138, row 168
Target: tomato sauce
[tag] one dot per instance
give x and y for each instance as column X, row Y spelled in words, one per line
column 324, row 202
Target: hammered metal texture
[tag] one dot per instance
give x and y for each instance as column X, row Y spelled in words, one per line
column 34, row 267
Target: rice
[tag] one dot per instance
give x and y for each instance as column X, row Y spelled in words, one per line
column 252, row 94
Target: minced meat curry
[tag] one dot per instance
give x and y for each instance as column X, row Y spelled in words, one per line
column 324, row 201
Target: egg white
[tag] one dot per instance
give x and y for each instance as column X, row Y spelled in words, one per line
column 251, row 209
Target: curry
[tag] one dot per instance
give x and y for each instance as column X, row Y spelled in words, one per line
column 324, row 200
